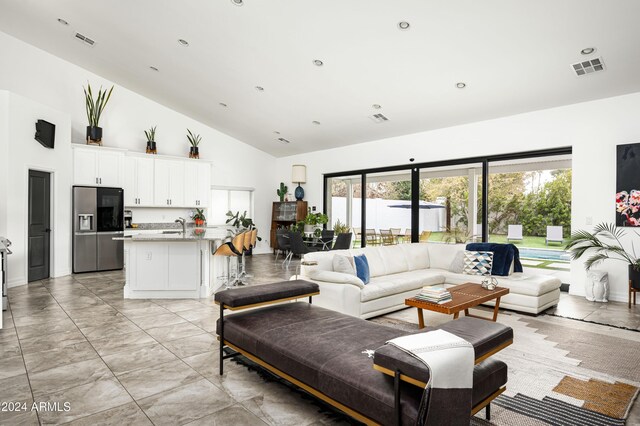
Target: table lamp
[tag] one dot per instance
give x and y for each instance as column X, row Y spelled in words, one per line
column 299, row 175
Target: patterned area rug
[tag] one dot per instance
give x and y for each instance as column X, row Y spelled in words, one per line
column 561, row 371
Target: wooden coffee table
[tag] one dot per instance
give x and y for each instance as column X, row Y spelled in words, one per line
column 465, row 296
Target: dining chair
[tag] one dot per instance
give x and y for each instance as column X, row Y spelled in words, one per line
column 387, row 237
column 343, row 242
column 372, row 237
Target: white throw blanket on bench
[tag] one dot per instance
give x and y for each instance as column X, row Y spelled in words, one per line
column 450, row 359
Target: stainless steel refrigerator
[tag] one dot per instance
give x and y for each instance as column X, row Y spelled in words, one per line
column 98, row 217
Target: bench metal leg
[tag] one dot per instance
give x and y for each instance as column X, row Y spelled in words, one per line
column 221, row 333
column 396, row 391
column 487, row 411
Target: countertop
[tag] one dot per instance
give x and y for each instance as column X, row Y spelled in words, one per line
column 199, row 234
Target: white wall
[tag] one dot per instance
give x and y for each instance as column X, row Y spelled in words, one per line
column 25, row 153
column 593, row 129
column 52, row 82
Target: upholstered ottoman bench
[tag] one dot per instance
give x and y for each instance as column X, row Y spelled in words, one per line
column 343, row 360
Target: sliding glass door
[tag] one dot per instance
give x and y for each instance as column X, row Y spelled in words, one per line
column 488, row 198
column 450, row 203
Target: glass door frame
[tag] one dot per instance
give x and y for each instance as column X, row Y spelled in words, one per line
column 415, row 183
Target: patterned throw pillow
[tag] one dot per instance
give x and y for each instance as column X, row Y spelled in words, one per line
column 477, row 262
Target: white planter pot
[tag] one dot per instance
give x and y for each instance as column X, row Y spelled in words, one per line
column 597, row 286
column 310, row 229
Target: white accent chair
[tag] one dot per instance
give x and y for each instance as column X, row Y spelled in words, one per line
column 554, row 235
column 514, row 233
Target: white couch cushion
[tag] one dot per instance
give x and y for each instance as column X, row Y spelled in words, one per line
column 518, row 283
column 441, row 255
column 335, row 277
column 417, row 255
column 394, row 259
column 397, row 283
column 377, row 265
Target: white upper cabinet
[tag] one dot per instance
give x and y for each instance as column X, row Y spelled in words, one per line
column 97, row 167
column 169, row 183
column 138, row 181
column 197, row 184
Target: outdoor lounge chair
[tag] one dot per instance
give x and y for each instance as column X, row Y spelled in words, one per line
column 514, row 233
column 554, row 235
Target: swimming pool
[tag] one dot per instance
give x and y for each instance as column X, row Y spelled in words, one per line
column 545, row 254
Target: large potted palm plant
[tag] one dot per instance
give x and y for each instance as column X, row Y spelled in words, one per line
column 94, row 108
column 603, row 244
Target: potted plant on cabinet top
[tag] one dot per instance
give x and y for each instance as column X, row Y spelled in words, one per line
column 194, row 140
column 605, row 243
column 94, row 112
column 314, row 221
column 151, row 140
column 199, row 217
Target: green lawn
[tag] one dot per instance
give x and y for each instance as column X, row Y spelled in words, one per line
column 531, row 242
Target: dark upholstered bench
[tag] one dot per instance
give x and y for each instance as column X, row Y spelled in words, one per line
column 328, row 353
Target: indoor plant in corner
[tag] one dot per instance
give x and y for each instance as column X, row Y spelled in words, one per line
column 151, row 140
column 605, row 243
column 194, row 140
column 95, row 107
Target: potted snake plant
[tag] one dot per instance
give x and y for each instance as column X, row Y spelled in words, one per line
column 194, row 140
column 151, row 140
column 95, row 108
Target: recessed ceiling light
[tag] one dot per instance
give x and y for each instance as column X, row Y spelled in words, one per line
column 276, row 132
column 260, row 88
column 62, row 21
column 154, row 68
column 588, row 50
column 403, row 25
column 376, row 106
column 317, row 123
column 183, row 42
column 222, row 104
column 237, row 2
column 318, row 62
column 461, row 85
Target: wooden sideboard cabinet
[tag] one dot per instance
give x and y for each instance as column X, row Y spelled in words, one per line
column 284, row 214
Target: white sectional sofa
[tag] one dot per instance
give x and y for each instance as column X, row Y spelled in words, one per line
column 400, row 271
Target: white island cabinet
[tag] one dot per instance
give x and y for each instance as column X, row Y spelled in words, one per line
column 172, row 266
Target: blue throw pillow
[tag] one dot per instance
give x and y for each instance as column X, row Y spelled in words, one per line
column 362, row 268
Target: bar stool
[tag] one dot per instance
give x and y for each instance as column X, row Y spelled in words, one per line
column 229, row 249
column 246, row 245
column 249, row 243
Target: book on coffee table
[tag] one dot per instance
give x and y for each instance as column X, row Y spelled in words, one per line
column 434, row 294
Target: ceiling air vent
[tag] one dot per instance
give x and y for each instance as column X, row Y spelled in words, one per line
column 378, row 118
column 283, row 140
column 588, row 67
column 85, row 39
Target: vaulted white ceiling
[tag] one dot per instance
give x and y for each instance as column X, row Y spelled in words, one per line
column 513, row 55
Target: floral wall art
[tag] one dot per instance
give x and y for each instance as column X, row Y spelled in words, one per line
column 628, row 185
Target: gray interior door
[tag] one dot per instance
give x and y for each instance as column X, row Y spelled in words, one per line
column 39, row 224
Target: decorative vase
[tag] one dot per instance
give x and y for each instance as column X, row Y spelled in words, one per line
column 151, row 147
column 193, row 152
column 94, row 135
column 597, row 286
column 299, row 193
column 634, row 277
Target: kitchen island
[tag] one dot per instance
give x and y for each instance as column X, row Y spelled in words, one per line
column 174, row 265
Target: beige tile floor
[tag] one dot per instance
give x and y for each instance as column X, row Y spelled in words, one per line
column 76, row 340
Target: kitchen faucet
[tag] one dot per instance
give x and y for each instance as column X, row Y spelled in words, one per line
column 182, row 222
